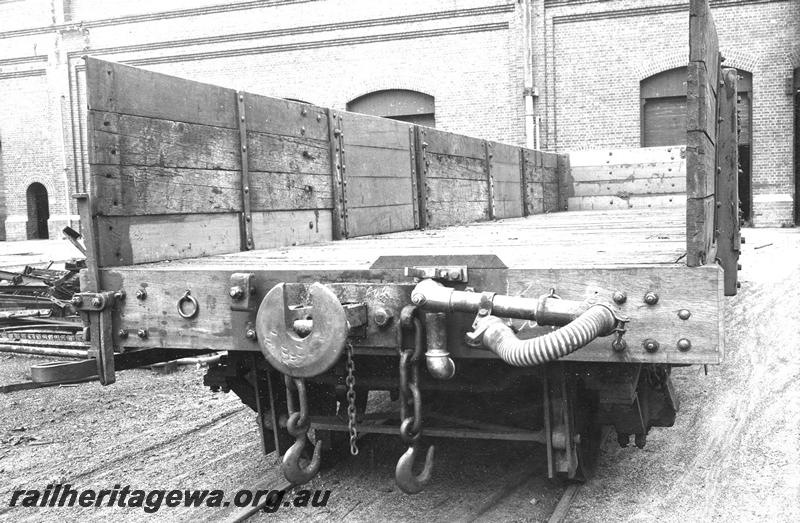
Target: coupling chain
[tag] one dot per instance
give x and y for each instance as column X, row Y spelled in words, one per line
column 411, row 425
column 350, row 381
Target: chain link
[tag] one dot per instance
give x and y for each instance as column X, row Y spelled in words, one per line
column 350, row 381
column 411, row 425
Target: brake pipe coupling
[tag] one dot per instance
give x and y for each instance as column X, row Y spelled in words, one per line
column 580, row 321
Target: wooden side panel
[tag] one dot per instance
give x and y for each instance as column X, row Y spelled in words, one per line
column 703, row 77
column 506, row 177
column 728, row 239
column 542, row 185
column 649, row 177
column 166, row 154
column 456, row 178
column 378, row 170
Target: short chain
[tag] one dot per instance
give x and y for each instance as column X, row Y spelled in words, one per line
column 350, row 381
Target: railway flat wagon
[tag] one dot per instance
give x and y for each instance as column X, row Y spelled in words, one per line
column 366, row 275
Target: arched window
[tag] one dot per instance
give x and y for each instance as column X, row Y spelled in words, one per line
column 663, row 102
column 38, row 211
column 397, row 104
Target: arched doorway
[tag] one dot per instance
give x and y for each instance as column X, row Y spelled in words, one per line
column 38, row 211
column 662, row 98
column 397, row 104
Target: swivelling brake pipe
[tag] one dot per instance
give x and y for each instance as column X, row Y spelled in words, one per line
column 580, row 321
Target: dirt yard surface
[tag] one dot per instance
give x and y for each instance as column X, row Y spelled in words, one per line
column 14, row 256
column 733, row 455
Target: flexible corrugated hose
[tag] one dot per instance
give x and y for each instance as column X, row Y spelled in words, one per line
column 596, row 321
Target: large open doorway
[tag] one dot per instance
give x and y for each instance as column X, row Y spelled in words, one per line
column 38, row 211
column 744, row 107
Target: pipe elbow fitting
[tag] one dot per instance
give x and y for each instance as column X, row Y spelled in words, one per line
column 440, row 365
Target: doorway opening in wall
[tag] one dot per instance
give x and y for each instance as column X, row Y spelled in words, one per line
column 744, row 108
column 663, row 122
column 397, row 104
column 796, row 90
column 38, row 211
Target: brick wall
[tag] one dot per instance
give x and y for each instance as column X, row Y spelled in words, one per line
column 596, row 53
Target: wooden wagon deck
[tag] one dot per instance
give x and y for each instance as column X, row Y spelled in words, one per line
column 577, row 239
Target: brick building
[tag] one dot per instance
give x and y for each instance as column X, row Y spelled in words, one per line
column 557, row 74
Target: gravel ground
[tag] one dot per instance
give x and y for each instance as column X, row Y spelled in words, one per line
column 733, row 454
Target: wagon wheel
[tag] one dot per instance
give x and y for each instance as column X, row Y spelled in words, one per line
column 572, row 411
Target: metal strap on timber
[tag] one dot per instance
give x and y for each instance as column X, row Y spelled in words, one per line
column 523, row 180
column 421, row 147
column 246, row 225
column 336, row 137
column 487, row 147
column 412, row 148
column 100, row 324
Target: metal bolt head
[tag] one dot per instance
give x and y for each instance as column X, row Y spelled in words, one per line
column 141, row 294
column 119, row 295
column 96, row 302
column 381, row 317
column 684, row 314
column 651, row 298
column 418, row 298
column 619, row 297
column 236, row 292
column 454, row 274
column 650, row 345
column 684, row 344
column 142, row 333
column 76, row 301
column 123, row 333
column 250, row 334
column 619, row 345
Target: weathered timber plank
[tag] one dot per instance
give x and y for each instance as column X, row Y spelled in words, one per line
column 136, row 140
column 290, row 191
column 269, row 152
column 362, row 221
column 703, row 43
column 700, row 230
column 284, row 117
column 549, row 160
column 442, row 142
column 374, row 192
column 508, row 208
column 457, row 190
column 551, row 197
column 550, row 175
column 455, row 167
column 132, row 140
column 136, row 190
column 372, row 131
column 533, row 173
column 622, row 201
column 649, row 185
column 700, row 165
column 506, row 172
column 443, row 213
column 727, row 187
column 297, row 227
column 613, row 157
column 129, row 90
column 143, row 239
column 696, row 290
column 504, row 153
column 509, row 194
column 701, row 101
column 625, row 172
column 377, row 162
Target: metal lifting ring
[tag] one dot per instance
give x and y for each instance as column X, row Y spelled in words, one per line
column 187, row 296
